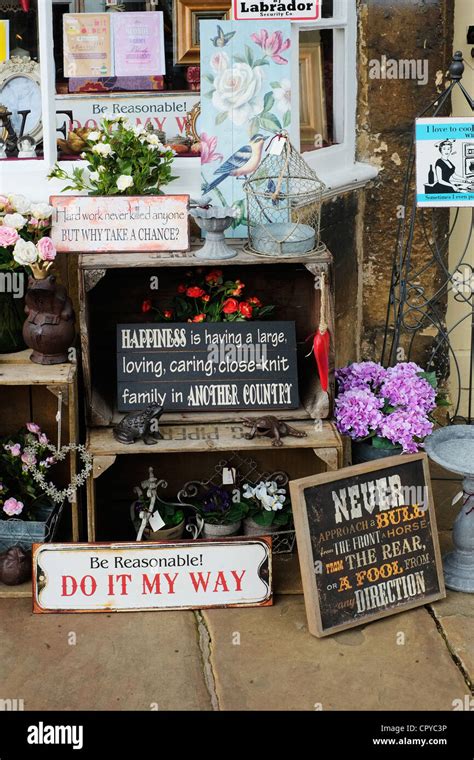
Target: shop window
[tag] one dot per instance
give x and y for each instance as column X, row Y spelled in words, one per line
column 324, row 76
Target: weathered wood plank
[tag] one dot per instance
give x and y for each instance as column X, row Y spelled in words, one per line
column 187, row 259
column 28, row 373
column 218, row 437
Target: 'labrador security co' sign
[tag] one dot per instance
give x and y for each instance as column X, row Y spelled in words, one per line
column 296, row 10
column 152, row 576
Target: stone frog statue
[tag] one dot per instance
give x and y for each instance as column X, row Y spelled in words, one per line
column 142, row 425
column 49, row 327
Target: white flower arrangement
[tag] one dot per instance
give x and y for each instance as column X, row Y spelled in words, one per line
column 122, row 159
column 267, row 493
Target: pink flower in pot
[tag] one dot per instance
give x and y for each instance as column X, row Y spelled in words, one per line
column 13, row 507
column 8, row 236
column 46, row 249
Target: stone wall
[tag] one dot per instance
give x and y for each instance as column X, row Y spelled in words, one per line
column 361, row 227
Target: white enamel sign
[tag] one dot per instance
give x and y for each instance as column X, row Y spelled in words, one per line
column 152, row 576
column 163, row 110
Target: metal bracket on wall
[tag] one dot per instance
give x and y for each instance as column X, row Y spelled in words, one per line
column 60, row 391
column 101, row 464
column 92, row 277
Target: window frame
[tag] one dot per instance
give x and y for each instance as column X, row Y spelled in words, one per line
column 336, row 164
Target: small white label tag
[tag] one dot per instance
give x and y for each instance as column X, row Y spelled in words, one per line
column 276, row 145
column 156, row 521
column 457, row 498
column 228, row 476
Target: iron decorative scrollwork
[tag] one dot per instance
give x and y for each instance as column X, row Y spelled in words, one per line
column 416, row 322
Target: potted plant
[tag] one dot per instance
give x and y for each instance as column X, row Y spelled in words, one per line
column 122, row 159
column 385, row 411
column 149, row 509
column 222, row 516
column 268, row 508
column 26, row 512
column 25, row 249
column 205, row 296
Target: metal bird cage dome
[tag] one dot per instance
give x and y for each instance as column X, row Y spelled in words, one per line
column 284, row 197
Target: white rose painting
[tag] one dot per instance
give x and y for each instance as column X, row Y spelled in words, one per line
column 245, row 100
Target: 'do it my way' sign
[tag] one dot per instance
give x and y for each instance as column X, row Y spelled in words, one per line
column 152, row 576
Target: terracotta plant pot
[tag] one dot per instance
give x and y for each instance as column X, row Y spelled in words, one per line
column 166, row 534
column 49, row 327
column 218, row 531
column 251, row 528
column 365, row 452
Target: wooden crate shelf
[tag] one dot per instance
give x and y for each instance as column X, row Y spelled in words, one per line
column 112, row 287
column 321, row 438
column 100, row 261
column 32, row 391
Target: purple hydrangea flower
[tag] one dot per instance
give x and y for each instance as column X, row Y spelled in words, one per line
column 360, row 375
column 365, row 388
column 409, row 390
column 358, row 413
column 404, row 426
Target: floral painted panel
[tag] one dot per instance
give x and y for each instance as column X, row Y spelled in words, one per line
column 245, row 100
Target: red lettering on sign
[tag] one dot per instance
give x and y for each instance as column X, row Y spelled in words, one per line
column 73, row 582
column 200, row 581
column 171, row 582
column 238, row 579
column 153, row 587
column 220, row 581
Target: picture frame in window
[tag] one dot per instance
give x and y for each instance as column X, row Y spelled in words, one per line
column 187, row 15
column 20, row 90
column 313, row 121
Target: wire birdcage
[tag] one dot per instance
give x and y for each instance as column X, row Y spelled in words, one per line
column 284, row 198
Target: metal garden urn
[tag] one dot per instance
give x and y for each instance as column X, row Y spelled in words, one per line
column 214, row 220
column 453, row 448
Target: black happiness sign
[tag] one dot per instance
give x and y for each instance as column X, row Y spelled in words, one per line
column 207, row 366
column 367, row 542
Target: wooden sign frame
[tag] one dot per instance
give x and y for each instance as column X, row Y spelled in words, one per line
column 308, row 560
column 113, row 563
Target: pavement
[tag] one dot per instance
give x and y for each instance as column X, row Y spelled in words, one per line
column 243, row 659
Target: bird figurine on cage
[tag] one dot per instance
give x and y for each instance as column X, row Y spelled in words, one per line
column 284, row 198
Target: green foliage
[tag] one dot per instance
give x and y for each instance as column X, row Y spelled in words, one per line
column 15, row 481
column 121, row 160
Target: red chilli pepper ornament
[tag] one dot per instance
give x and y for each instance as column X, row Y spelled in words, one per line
column 25, row 4
column 321, row 342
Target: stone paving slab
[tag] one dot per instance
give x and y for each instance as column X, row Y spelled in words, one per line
column 278, row 665
column 125, row 661
column 455, row 614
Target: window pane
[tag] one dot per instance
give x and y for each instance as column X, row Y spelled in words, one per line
column 327, row 9
column 316, row 89
column 21, row 94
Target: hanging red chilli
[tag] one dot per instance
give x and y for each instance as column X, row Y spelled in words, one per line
column 25, row 4
column 321, row 342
